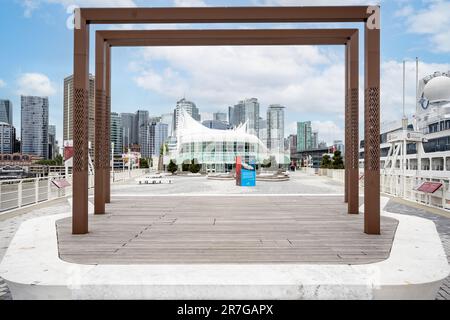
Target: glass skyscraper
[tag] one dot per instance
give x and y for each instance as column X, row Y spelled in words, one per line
column 34, row 126
column 275, row 128
column 142, row 132
column 129, row 129
column 246, row 110
column 116, row 135
column 190, row 108
column 158, row 136
column 6, row 138
column 304, row 136
column 51, row 141
column 6, row 112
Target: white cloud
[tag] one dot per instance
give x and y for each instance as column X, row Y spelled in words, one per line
column 2, row 83
column 31, row 5
column 218, row 77
column 35, row 84
column 432, row 21
column 189, row 3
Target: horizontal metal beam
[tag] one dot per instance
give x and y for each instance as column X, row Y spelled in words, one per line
column 227, row 37
column 225, row 15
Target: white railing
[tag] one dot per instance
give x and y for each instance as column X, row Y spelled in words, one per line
column 335, row 174
column 395, row 185
column 15, row 194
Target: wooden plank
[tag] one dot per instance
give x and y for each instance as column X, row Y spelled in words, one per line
column 226, row 230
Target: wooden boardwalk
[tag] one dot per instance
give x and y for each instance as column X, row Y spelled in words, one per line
column 272, row 229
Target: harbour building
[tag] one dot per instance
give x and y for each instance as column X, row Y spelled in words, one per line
column 216, row 150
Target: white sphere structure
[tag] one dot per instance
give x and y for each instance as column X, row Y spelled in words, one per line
column 438, row 89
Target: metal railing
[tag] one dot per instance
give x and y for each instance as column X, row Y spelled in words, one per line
column 395, row 185
column 19, row 193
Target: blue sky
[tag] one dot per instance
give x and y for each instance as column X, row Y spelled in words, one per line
column 37, row 49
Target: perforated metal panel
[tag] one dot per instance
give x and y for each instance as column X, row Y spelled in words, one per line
column 80, row 130
column 106, row 137
column 99, row 128
column 372, row 123
column 353, row 114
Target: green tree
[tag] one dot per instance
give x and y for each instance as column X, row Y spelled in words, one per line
column 266, row 163
column 172, row 167
column 194, row 166
column 326, row 162
column 186, row 165
column 59, row 160
column 338, row 162
column 144, row 163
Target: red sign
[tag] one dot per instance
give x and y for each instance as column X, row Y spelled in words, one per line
column 61, row 184
column 429, row 187
column 68, row 153
column 238, row 170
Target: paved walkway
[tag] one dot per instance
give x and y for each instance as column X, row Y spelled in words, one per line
column 442, row 222
column 9, row 226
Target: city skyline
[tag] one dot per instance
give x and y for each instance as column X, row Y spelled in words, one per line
column 143, row 75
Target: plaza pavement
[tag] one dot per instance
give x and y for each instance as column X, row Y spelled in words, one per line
column 299, row 184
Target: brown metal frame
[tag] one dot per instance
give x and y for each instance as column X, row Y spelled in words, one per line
column 104, row 41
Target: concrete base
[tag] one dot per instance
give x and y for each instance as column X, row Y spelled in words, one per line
column 415, row 270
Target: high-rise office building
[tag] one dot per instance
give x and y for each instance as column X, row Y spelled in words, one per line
column 304, row 136
column 167, row 118
column 34, row 126
column 190, row 108
column 129, row 129
column 315, row 137
column 339, row 145
column 142, row 127
column 216, row 124
column 116, row 135
column 158, row 136
column 292, row 143
column 263, row 130
column 275, row 128
column 6, row 138
column 220, row 116
column 6, row 112
column 68, row 111
column 52, row 143
column 246, row 111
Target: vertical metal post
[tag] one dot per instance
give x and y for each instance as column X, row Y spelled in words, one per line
column 353, row 127
column 49, row 188
column 80, row 127
column 19, row 192
column 347, row 124
column 372, row 128
column 36, row 190
column 107, row 136
column 100, row 105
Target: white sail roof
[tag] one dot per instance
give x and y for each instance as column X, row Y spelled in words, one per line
column 189, row 130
